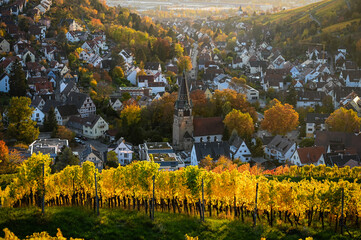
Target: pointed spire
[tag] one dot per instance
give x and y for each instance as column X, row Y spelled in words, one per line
column 183, row 101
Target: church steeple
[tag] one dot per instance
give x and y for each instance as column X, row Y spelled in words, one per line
column 183, row 119
column 183, row 102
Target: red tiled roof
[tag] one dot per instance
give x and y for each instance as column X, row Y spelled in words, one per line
column 208, row 126
column 310, row 155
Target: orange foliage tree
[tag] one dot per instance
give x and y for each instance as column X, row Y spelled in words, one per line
column 343, row 120
column 280, row 119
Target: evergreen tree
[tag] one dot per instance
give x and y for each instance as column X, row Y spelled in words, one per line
column 65, row 158
column 50, row 123
column 17, row 81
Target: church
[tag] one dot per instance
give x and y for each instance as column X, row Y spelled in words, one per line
column 188, row 130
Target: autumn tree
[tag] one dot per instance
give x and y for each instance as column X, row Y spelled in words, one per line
column 4, row 152
column 65, row 133
column 234, row 100
column 184, row 64
column 241, row 122
column 343, row 120
column 237, row 83
column 178, row 49
column 21, row 127
column 200, row 103
column 130, row 114
column 280, row 119
column 207, row 163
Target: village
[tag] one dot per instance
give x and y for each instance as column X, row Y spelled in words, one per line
column 319, row 84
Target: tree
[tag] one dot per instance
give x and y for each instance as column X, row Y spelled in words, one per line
column 257, row 149
column 65, row 158
column 307, row 142
column 184, row 64
column 50, row 122
column 237, row 83
column 280, row 119
column 4, row 152
column 65, row 133
column 178, row 49
column 117, row 72
column 343, row 120
column 17, row 80
column 131, row 114
column 21, row 126
column 241, row 122
column 112, row 159
column 207, row 163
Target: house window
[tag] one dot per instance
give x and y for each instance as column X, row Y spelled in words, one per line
column 125, row 155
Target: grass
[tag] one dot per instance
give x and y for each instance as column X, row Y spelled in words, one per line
column 123, row 224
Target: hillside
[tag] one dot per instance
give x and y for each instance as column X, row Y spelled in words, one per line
column 334, row 23
column 127, row 224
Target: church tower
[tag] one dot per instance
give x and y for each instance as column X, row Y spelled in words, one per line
column 183, row 119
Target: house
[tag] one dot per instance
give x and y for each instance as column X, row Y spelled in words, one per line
column 161, row 153
column 72, row 37
column 37, row 31
column 38, row 115
column 132, row 75
column 4, row 46
column 252, row 94
column 74, row 26
column 208, row 129
column 315, row 122
column 352, row 78
column 7, row 63
column 115, row 103
column 352, row 101
column 154, row 67
column 91, row 46
column 280, row 148
column 28, row 55
column 83, row 102
column 213, row 149
column 64, row 112
column 92, row 127
column 51, row 146
column 124, row 152
column 308, row 156
column 310, row 98
column 239, row 150
column 91, row 154
column 136, row 91
column 127, row 55
column 339, row 142
column 342, row 160
column 4, row 83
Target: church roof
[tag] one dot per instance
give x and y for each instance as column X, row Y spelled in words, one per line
column 208, row 126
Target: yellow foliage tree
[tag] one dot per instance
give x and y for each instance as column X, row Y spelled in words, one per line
column 343, row 120
column 184, row 64
column 280, row 119
column 131, row 114
column 241, row 122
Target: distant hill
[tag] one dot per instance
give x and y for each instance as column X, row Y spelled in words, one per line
column 334, row 23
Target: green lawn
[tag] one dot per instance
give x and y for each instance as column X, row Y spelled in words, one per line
column 122, row 224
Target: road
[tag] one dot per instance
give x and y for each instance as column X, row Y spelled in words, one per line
column 194, row 54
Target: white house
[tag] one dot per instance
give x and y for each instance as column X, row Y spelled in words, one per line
column 132, row 75
column 72, row 37
column 4, row 83
column 127, row 56
column 211, row 149
column 240, row 150
column 308, row 155
column 38, row 116
column 124, row 152
column 208, row 129
column 280, row 148
column 115, row 103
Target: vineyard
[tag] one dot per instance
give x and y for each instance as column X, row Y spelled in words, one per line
column 237, row 193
